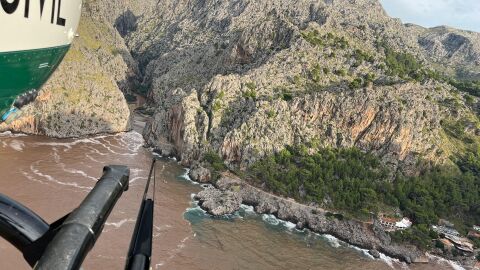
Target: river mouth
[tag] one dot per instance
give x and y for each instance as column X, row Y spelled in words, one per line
column 52, row 177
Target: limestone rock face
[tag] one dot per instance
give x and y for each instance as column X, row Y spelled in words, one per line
column 245, row 78
column 219, row 203
column 200, row 174
column 84, row 96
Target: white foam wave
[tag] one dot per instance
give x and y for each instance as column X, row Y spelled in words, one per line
column 185, row 176
column 30, row 177
column 80, row 172
column 109, row 149
column 289, row 225
column 248, row 209
column 196, row 208
column 95, row 151
column 120, row 223
column 17, row 145
column 273, row 220
column 12, row 135
column 68, row 145
column 336, row 243
column 92, row 159
column 388, row 260
column 132, row 140
column 332, row 240
column 135, row 179
column 270, row 219
column 136, row 171
column 51, row 179
column 174, row 252
column 452, row 264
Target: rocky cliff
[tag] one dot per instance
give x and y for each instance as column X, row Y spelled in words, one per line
column 84, row 96
column 245, row 78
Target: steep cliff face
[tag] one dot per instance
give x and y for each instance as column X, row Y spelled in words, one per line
column 245, row 78
column 84, row 95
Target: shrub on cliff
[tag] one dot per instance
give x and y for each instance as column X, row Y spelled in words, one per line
column 471, row 87
column 216, row 164
column 419, row 235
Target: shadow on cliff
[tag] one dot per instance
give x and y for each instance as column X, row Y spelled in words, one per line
column 126, row 23
column 62, row 124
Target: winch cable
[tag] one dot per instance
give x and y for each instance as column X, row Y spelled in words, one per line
column 140, row 252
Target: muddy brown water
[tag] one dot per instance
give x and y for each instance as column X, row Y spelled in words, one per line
column 52, row 177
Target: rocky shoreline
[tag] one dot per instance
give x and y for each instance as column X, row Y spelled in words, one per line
column 229, row 192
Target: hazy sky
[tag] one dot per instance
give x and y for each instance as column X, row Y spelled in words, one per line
column 463, row 14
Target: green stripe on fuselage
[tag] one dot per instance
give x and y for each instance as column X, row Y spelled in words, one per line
column 23, row 71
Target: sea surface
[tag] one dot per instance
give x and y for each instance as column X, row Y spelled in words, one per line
column 52, row 177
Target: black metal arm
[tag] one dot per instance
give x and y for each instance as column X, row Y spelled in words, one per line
column 19, row 225
column 140, row 252
column 77, row 235
column 65, row 243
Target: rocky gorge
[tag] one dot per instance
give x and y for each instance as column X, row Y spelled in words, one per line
column 244, row 79
column 218, row 85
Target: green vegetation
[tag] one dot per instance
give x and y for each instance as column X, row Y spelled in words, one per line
column 370, row 77
column 341, row 72
column 357, row 183
column 221, row 95
column 469, row 100
column 316, row 39
column 315, row 73
column 471, row 87
column 251, row 85
column 217, row 105
column 216, row 164
column 362, row 82
column 356, row 83
column 287, row 96
column 442, row 192
column 130, row 98
column 401, row 64
column 405, row 65
column 251, row 92
column 419, row 235
column 141, row 89
column 347, row 176
column 313, row 37
column 361, row 56
column 475, row 241
column 271, row 114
